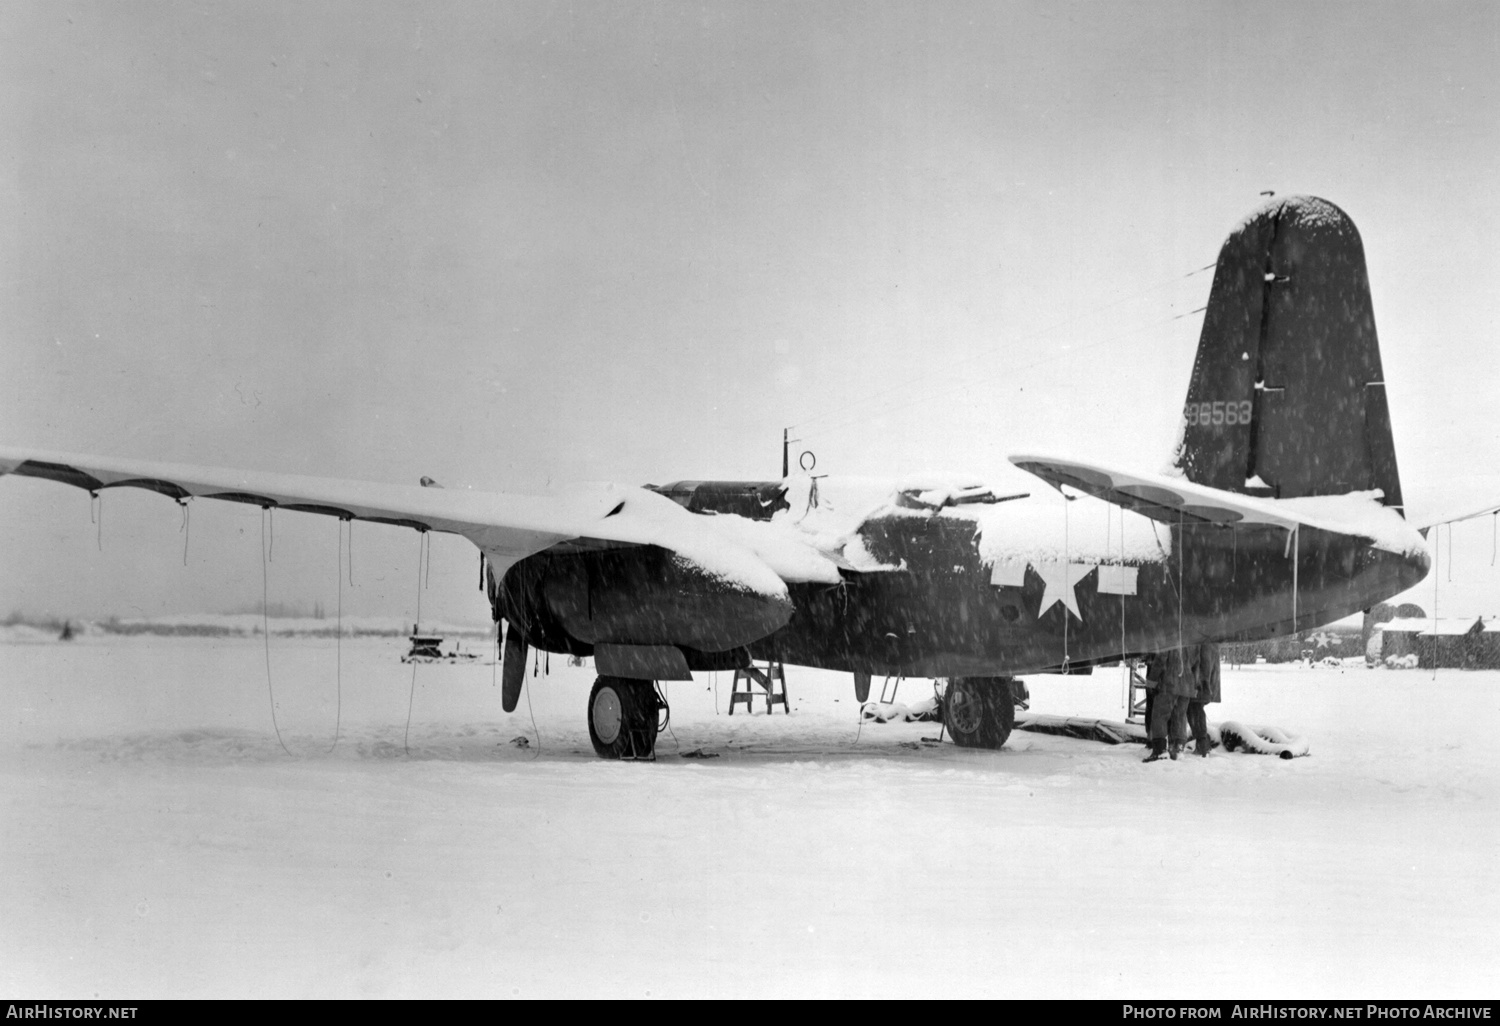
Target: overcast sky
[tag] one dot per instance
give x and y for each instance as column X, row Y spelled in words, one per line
column 514, row 245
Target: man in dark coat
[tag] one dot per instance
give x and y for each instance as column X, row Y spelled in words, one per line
column 1207, row 691
column 1151, row 670
column 1179, row 684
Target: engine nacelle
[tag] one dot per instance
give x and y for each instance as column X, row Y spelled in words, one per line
column 641, row 595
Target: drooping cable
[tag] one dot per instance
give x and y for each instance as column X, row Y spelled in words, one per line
column 338, row 646
column 1123, row 662
column 530, row 712
column 1234, row 553
column 661, row 693
column 1296, row 567
column 421, row 551
column 183, row 530
column 265, row 628
column 1190, row 313
column 1162, row 550
column 1066, row 585
column 1181, row 559
column 1436, row 550
column 411, row 696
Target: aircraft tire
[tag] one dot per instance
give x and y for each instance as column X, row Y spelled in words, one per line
column 622, row 718
column 979, row 712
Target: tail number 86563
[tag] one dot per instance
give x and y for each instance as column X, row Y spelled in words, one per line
column 1217, row 413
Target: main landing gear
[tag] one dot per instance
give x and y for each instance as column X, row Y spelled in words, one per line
column 980, row 711
column 624, row 718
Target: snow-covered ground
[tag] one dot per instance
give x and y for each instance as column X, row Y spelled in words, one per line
column 156, row 841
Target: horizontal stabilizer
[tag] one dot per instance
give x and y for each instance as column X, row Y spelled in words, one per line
column 1454, row 517
column 1176, row 500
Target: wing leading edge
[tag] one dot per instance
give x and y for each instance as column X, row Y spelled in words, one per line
column 506, row 527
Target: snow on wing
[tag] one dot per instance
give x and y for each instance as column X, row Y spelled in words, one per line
column 1172, row 499
column 506, row 527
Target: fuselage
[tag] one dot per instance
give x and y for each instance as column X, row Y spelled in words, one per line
column 946, row 615
column 1020, row 587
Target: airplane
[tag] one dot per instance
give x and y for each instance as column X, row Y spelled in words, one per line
column 1280, row 510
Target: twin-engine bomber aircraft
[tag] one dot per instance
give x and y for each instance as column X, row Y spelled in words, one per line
column 1281, row 511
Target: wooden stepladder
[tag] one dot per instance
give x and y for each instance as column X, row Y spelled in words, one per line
column 768, row 678
column 1138, row 692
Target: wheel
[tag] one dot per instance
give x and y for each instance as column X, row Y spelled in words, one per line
column 979, row 712
column 622, row 718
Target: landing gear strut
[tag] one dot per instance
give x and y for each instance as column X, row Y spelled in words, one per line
column 979, row 711
column 623, row 718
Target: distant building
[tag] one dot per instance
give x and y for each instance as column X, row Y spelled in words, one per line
column 1448, row 643
column 1380, row 613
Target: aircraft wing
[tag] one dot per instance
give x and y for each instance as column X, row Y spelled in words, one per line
column 1175, row 500
column 506, row 527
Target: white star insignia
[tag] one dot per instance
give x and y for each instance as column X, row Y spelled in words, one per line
column 1061, row 579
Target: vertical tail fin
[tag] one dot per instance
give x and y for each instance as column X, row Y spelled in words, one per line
column 1287, row 396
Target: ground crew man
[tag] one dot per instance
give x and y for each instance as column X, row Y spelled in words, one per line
column 1207, row 691
column 1168, row 728
column 1151, row 669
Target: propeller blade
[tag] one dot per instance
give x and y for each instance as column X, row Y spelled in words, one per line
column 861, row 686
column 513, row 671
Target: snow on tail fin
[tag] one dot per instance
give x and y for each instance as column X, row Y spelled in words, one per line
column 1287, row 396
